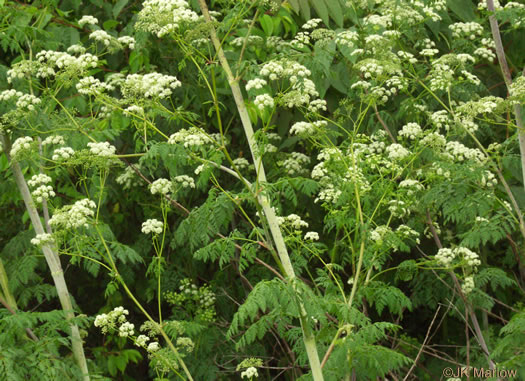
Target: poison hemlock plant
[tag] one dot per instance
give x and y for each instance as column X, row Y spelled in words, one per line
column 231, row 191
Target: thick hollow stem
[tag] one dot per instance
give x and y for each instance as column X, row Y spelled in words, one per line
column 308, row 335
column 53, row 261
column 508, row 81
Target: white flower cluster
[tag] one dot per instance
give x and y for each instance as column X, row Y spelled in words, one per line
column 311, row 236
column 307, row 128
column 317, row 105
column 87, row 19
column 440, row 119
column 371, row 69
column 152, row 226
column 469, row 30
column 257, row 83
column 53, row 139
column 241, row 163
column 21, row 144
column 101, row 36
column 250, row 40
column 302, row 89
column 63, row 153
column 250, row 373
column 115, row 320
column 51, row 62
column 74, row 216
column 429, row 49
column 295, row 164
column 301, row 39
column 445, row 256
column 489, row 180
column 384, row 21
column 398, row 208
column 484, row 105
column 128, row 178
column 397, row 152
column 42, row 239
column 468, row 285
column 127, row 41
column 103, row 149
column 141, row 340
column 133, row 110
column 164, row 16
column 192, row 137
column 92, row 86
column 379, row 233
column 263, row 100
column 311, row 24
column 406, row 232
column 461, row 153
column 41, row 190
column 23, row 101
column 412, row 186
column 161, row 186
column 485, row 53
column 152, row 85
column 126, row 329
column 292, row 220
column 407, row 56
column 76, row 49
column 411, row 131
column 346, row 38
column 185, row 181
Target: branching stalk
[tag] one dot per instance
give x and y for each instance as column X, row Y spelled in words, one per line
column 52, row 259
column 308, row 335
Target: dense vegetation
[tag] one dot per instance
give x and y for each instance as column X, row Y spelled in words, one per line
column 261, row 189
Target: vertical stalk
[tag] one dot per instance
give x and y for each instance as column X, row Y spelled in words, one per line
column 308, row 335
column 508, row 81
column 52, row 259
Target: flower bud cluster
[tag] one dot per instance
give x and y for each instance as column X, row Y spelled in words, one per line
column 199, row 301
